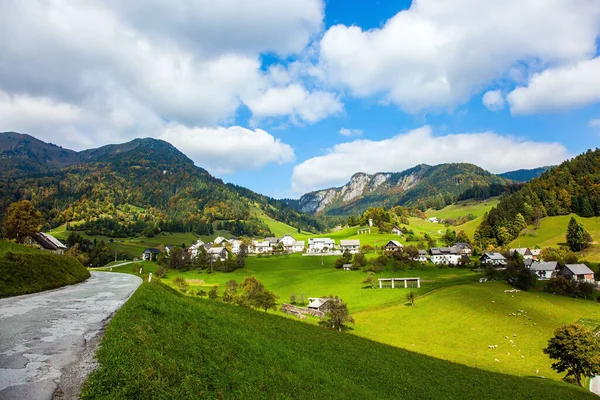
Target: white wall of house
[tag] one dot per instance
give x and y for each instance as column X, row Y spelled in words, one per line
column 445, row 259
column 287, row 240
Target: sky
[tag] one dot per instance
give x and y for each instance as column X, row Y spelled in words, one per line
column 289, row 96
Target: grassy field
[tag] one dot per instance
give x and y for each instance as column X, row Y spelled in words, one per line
column 463, row 208
column 164, row 345
column 25, row 270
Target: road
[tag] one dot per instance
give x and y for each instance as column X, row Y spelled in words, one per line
column 595, row 385
column 45, row 336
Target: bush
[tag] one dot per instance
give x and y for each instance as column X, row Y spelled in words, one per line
column 161, row 272
column 181, row 283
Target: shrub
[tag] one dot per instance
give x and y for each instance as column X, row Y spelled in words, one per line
column 181, row 283
column 161, row 272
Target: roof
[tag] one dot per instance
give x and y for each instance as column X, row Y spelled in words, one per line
column 395, row 243
column 438, row 251
column 544, row 266
column 462, row 245
column 579, row 269
column 345, row 266
column 422, row 252
column 287, row 235
column 272, row 240
column 48, row 241
column 535, row 252
column 351, row 242
column 169, row 247
column 298, row 243
column 521, row 250
column 494, row 256
column 262, row 244
column 316, row 303
column 216, row 250
column 152, row 250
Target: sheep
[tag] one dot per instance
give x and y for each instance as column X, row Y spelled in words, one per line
column 495, row 359
column 508, row 354
column 514, row 335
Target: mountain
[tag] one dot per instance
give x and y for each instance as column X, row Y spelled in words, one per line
column 571, row 187
column 423, row 186
column 120, row 190
column 525, row 175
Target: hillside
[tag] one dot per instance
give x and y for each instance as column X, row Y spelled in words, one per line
column 141, row 187
column 423, row 186
column 225, row 351
column 525, row 175
column 572, row 187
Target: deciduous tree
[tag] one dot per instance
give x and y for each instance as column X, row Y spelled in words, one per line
column 370, row 280
column 336, row 313
column 22, row 220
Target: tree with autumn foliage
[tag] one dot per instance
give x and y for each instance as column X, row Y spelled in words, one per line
column 22, row 220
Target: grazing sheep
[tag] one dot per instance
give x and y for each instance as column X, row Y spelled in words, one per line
column 495, row 359
column 511, row 340
column 514, row 335
column 506, row 337
column 537, row 371
column 508, row 354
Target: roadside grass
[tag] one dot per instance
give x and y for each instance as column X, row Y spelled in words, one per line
column 26, row 270
column 463, row 208
column 164, row 345
column 459, row 323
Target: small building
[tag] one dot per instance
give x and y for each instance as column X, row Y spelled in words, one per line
column 150, row 254
column 273, row 241
column 393, row 245
column 445, row 255
column 434, row 220
column 544, row 270
column 353, row 246
column 194, row 249
column 220, row 241
column 397, row 231
column 287, row 240
column 536, row 253
column 464, row 248
column 524, row 251
column 218, row 253
column 235, row 246
column 168, row 249
column 349, row 267
column 47, row 242
column 578, row 272
column 422, row 257
column 296, row 246
column 493, row 258
column 320, row 245
column 262, row 247
column 318, row 303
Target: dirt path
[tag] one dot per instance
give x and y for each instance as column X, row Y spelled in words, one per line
column 47, row 339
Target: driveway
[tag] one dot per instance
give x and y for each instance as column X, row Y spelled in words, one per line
column 45, row 336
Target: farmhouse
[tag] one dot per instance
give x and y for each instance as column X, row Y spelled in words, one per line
column 320, row 245
column 262, row 247
column 397, row 231
column 287, row 240
column 493, row 258
column 393, row 245
column 445, row 255
column 464, row 248
column 235, row 245
column 168, row 249
column 218, row 253
column 194, row 249
column 220, row 241
column 578, row 272
column 422, row 257
column 47, row 242
column 434, row 220
column 297, row 246
column 150, row 254
column 524, row 251
column 535, row 253
column 353, row 246
column 273, row 241
column 544, row 270
column 318, row 303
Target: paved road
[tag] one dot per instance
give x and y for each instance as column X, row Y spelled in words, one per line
column 43, row 335
column 595, row 385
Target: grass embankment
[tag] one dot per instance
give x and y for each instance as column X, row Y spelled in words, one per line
column 27, row 270
column 164, row 345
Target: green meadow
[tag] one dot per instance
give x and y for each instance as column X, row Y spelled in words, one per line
column 464, row 208
column 168, row 346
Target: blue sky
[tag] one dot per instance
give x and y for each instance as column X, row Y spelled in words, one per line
column 258, row 92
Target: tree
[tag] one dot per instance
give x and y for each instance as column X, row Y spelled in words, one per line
column 292, row 298
column 577, row 350
column 181, row 283
column 22, row 220
column 411, row 298
column 231, row 290
column 213, row 293
column 577, row 238
column 265, row 300
column 201, row 293
column 359, row 260
column 176, row 258
column 241, row 257
column 370, row 280
column 336, row 313
column 462, row 237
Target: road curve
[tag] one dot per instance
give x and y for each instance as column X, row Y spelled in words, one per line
column 43, row 334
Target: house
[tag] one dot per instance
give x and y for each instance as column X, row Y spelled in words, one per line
column 47, row 242
column 536, row 253
column 262, row 247
column 218, row 253
column 434, row 220
column 287, row 240
column 150, row 254
column 392, row 245
column 318, row 303
column 353, row 246
column 220, row 241
column 194, row 249
column 273, row 241
column 493, row 258
column 422, row 256
column 168, row 249
column 349, row 267
column 524, row 251
column 296, row 246
column 320, row 245
column 544, row 270
column 235, row 246
column 578, row 272
column 445, row 255
column 464, row 248
column 397, row 231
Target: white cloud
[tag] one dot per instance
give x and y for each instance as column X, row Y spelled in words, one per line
column 594, row 123
column 227, row 150
column 558, row 88
column 294, row 101
column 493, row 100
column 438, row 53
column 489, row 150
column 350, row 132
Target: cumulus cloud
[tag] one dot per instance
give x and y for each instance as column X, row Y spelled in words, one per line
column 294, row 101
column 350, row 132
column 438, row 53
column 227, row 150
column 558, row 88
column 489, row 150
column 493, row 100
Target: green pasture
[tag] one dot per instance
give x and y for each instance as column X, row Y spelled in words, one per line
column 464, row 208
